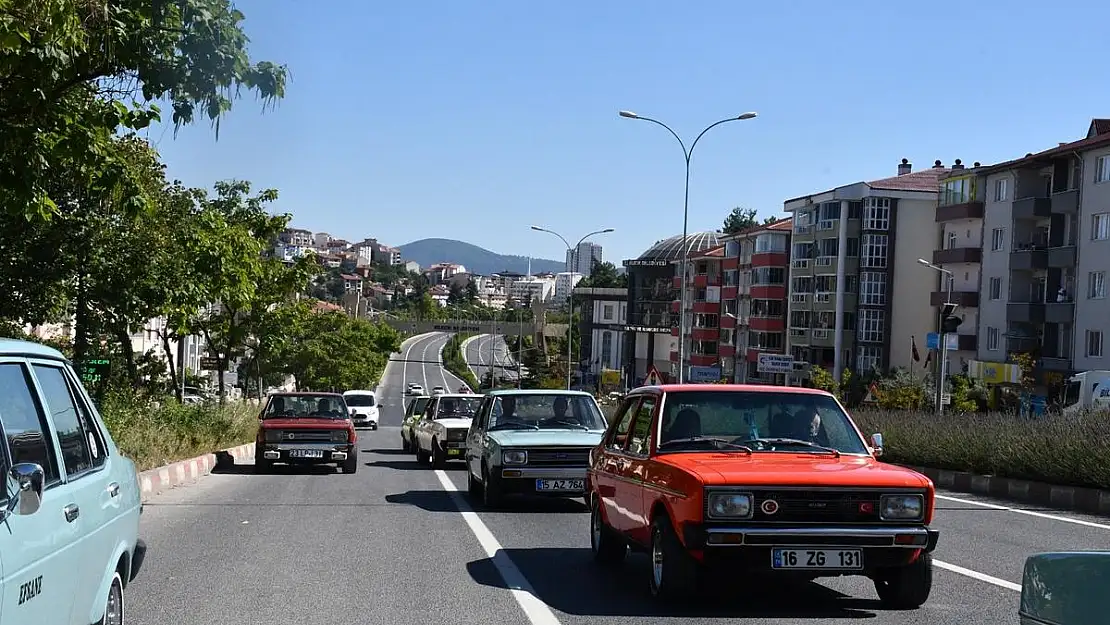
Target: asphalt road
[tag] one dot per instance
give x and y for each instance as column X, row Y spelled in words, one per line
column 478, row 355
column 396, row 543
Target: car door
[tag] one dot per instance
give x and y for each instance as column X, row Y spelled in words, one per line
column 424, row 425
column 634, row 470
column 40, row 550
column 476, row 439
column 96, row 496
column 610, row 464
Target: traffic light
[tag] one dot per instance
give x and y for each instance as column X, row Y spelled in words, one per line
column 948, row 321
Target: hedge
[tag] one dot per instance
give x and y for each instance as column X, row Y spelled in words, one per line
column 455, row 361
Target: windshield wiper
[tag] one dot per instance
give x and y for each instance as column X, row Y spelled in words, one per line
column 571, row 424
column 795, row 441
column 719, row 443
column 514, row 425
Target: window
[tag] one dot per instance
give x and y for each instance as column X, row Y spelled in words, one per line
column 871, row 326
column 874, row 251
column 607, row 312
column 998, row 239
column 770, row 243
column 851, row 284
column 767, row 308
column 828, row 247
column 624, row 422
column 994, row 288
column 1100, row 226
column 706, row 320
column 731, row 277
column 992, row 339
column 1096, row 285
column 81, row 447
column 852, row 245
column 1102, row 169
column 872, row 288
column 726, row 336
column 767, row 341
column 802, row 284
column 1001, row 190
column 855, row 209
column 732, row 249
column 802, row 250
column 826, row 283
column 29, row 438
column 606, row 348
column 768, row 276
column 799, row 318
column 876, row 213
column 951, row 241
column 955, row 191
column 868, row 358
column 641, row 430
column 1094, row 343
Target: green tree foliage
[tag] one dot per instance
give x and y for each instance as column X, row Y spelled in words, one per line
column 740, row 219
column 471, row 292
column 331, row 351
column 604, row 276
column 455, row 294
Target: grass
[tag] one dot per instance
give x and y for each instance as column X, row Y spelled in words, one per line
column 455, row 361
column 154, row 434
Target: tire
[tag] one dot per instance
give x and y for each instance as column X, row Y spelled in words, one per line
column 674, row 573
column 405, row 446
column 608, row 547
column 115, row 609
column 473, row 486
column 439, row 455
column 422, row 457
column 374, row 426
column 262, row 465
column 350, row 465
column 492, row 497
column 907, row 587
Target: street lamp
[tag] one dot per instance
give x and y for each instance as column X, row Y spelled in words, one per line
column 945, row 310
column 570, row 297
column 687, row 153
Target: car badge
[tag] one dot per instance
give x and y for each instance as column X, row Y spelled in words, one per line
column 290, row 436
column 769, row 506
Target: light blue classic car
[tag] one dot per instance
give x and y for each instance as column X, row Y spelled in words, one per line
column 532, row 442
column 1066, row 588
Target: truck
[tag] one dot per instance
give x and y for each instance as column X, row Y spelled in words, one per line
column 1087, row 390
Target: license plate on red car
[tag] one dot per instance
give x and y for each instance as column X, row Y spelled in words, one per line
column 814, row 558
column 306, row 453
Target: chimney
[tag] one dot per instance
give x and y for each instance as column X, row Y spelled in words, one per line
column 904, row 167
column 958, row 164
column 976, row 164
column 937, row 164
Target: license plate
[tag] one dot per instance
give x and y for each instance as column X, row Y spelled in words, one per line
column 454, row 452
column 306, row 453
column 557, row 485
column 809, row 558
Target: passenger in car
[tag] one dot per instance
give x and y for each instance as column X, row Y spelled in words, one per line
column 686, row 424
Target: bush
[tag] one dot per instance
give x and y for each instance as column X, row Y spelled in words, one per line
column 158, row 433
column 455, row 361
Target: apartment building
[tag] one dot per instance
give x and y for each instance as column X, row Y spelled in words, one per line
column 564, row 285
column 856, row 300
column 1046, row 255
column 754, row 298
column 601, row 328
column 959, row 218
column 705, row 346
column 583, row 258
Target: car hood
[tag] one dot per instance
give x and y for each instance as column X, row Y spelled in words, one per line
column 788, row 469
column 306, row 423
column 452, row 423
column 546, row 438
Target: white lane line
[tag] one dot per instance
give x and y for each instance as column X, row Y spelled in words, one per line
column 1032, row 513
column 534, row 608
column 405, row 353
column 983, row 577
column 442, row 366
column 424, row 366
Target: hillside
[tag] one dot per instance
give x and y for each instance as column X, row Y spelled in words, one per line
column 476, row 259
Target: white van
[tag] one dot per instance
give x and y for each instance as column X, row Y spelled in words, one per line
column 364, row 408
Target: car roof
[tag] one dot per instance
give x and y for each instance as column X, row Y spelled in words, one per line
column 537, row 391
column 17, row 347
column 420, row 396
column 306, row 394
column 463, row 395
column 734, row 388
column 353, row 392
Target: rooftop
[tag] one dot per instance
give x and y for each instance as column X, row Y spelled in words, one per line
column 671, row 247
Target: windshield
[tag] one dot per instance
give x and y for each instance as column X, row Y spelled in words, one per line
column 458, row 407
column 1071, row 393
column 359, row 401
column 298, row 406
column 547, row 411
column 753, row 418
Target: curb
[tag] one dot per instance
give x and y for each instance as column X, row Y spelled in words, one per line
column 1075, row 498
column 183, row 472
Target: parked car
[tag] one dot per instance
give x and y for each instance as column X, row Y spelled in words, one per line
column 413, row 413
column 306, row 428
column 771, row 480
column 441, row 433
column 415, row 389
column 532, row 442
column 1065, row 588
column 69, row 543
column 364, row 408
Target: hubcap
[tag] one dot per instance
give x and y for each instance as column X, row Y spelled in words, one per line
column 657, row 562
column 113, row 615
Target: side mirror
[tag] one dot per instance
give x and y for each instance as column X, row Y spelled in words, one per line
column 877, row 444
column 29, row 477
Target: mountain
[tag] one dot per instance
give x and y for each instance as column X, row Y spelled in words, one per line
column 476, row 259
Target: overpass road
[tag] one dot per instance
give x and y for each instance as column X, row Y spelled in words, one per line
column 397, row 543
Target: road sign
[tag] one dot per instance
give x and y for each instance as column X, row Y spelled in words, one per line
column 775, row 363
column 209, row 363
column 653, row 378
column 953, row 341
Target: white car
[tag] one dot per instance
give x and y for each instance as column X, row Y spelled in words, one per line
column 364, row 408
column 415, row 389
column 438, row 390
column 441, row 433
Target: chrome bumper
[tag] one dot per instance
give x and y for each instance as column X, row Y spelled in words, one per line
column 333, row 451
column 554, row 473
column 902, row 537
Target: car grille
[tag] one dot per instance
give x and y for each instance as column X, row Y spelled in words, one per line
column 559, row 456
column 817, row 506
column 456, row 434
column 306, row 436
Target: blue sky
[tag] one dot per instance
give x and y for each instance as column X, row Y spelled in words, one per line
column 473, row 120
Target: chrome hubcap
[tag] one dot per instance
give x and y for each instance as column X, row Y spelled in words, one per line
column 657, row 562
column 113, row 615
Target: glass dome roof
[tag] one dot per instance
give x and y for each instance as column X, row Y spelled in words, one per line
column 671, row 248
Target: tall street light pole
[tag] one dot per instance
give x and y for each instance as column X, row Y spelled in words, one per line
column 687, row 153
column 942, row 342
column 570, row 296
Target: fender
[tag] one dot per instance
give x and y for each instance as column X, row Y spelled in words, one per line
column 96, row 612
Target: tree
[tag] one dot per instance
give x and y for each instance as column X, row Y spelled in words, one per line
column 740, row 219
column 310, row 352
column 471, row 292
column 455, row 294
column 604, row 275
column 68, row 67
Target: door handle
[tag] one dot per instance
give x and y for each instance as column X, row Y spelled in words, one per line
column 72, row 512
column 113, row 489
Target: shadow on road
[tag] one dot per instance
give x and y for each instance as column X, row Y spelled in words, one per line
column 230, row 468
column 388, row 452
column 412, row 465
column 624, row 591
column 441, row 501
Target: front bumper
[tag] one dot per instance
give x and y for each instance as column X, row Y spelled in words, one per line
column 328, row 452
column 361, row 419
column 454, row 450
column 525, row 479
column 137, row 560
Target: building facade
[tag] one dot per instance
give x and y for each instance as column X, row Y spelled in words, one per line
column 564, row 284
column 959, row 217
column 754, row 298
column 704, row 344
column 601, row 329
column 583, row 258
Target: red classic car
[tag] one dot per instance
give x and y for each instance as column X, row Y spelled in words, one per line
column 306, row 428
column 767, row 480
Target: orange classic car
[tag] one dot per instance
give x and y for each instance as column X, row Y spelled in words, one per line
column 764, row 480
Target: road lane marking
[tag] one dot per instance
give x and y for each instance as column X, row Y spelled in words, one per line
column 1032, row 513
column 424, row 366
column 442, row 365
column 983, row 577
column 534, row 608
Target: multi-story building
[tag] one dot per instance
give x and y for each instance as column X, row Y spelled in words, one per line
column 754, row 298
column 601, row 329
column 701, row 305
column 1046, row 244
column 532, row 289
column 564, row 284
column 583, row 258
column 297, row 237
column 856, row 300
column 959, row 218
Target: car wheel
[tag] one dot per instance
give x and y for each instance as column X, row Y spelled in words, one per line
column 473, row 486
column 608, row 546
column 907, row 587
column 350, row 465
column 115, row 610
column 405, row 444
column 674, row 573
column 261, row 465
column 422, row 457
column 439, row 455
column 374, row 426
column 491, row 490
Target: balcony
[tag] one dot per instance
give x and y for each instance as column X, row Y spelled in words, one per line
column 968, row 342
column 955, row 255
column 1059, row 312
column 1031, row 259
column 965, row 210
column 965, row 299
column 1032, row 208
column 1051, row 363
column 1025, row 312
column 1061, row 257
column 1065, row 202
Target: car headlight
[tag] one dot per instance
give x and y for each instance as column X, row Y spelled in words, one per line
column 730, row 505
column 901, row 507
column 273, row 436
column 514, row 456
column 339, row 436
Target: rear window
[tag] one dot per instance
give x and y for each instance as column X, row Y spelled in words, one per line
column 458, row 407
column 359, row 401
column 307, row 405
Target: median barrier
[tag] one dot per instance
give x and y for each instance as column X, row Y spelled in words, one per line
column 183, row 472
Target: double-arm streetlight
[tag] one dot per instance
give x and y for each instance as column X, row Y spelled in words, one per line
column 687, row 153
column 570, row 296
column 942, row 338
